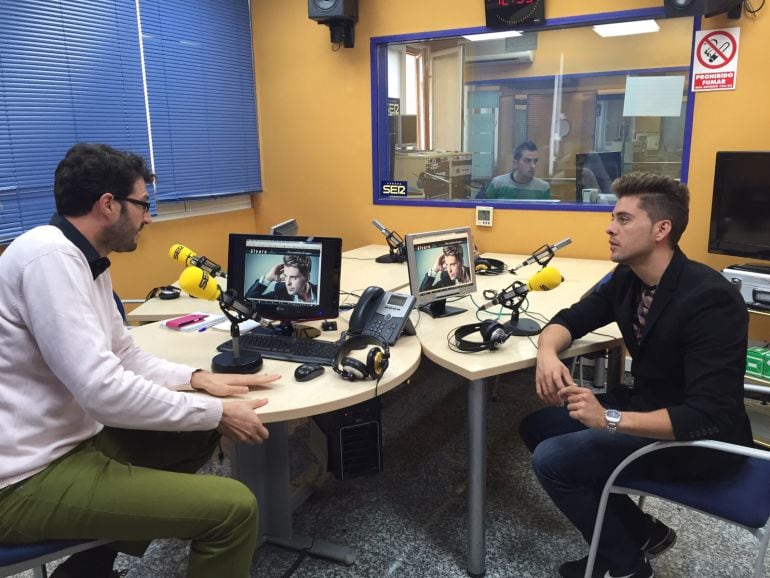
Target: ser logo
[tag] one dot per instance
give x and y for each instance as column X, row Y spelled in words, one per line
column 394, row 188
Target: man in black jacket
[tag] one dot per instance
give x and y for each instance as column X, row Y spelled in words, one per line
column 448, row 270
column 686, row 328
column 292, row 281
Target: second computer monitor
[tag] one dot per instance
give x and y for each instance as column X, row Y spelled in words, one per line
column 440, row 266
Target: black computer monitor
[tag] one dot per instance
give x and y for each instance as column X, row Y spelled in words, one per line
column 596, row 170
column 440, row 265
column 740, row 206
column 286, row 278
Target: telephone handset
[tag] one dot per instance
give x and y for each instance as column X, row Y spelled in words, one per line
column 382, row 313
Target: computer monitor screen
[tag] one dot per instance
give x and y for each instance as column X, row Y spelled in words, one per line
column 740, row 207
column 286, row 278
column 596, row 171
column 440, row 265
column 287, row 228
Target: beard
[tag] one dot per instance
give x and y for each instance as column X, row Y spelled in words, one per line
column 121, row 236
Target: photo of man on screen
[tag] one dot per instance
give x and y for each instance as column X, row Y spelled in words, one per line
column 448, row 269
column 290, row 281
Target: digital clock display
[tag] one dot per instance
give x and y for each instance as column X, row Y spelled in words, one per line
column 512, row 13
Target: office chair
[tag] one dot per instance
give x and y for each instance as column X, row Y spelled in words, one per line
column 16, row 558
column 741, row 498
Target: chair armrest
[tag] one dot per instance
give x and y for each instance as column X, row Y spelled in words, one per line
column 711, row 444
column 763, row 389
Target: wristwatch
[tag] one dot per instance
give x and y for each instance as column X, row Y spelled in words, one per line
column 612, row 417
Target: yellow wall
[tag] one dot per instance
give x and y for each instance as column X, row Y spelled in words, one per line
column 315, row 133
column 315, row 128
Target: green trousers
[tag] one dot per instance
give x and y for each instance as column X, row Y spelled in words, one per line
column 134, row 486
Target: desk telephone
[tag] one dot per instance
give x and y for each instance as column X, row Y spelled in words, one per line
column 383, row 314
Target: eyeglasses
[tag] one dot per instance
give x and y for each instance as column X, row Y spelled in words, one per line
column 144, row 204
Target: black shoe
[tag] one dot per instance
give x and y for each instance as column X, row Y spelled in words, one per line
column 577, row 568
column 642, row 570
column 661, row 539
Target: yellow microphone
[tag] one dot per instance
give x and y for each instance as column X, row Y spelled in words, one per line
column 544, row 280
column 188, row 257
column 198, row 283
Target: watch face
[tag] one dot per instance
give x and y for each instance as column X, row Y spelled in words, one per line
column 324, row 4
column 612, row 415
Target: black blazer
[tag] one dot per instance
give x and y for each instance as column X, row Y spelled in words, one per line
column 692, row 354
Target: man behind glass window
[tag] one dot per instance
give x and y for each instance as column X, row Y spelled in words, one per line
column 521, row 182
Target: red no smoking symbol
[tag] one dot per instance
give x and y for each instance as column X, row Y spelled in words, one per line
column 717, row 49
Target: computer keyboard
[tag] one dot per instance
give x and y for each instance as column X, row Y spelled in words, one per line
column 287, row 348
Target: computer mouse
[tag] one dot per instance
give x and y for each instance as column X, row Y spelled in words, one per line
column 308, row 371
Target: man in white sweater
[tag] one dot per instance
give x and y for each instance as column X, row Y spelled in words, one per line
column 99, row 439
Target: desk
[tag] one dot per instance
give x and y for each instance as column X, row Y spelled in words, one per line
column 359, row 270
column 516, row 353
column 265, row 468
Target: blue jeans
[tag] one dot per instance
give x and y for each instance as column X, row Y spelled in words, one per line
column 572, row 464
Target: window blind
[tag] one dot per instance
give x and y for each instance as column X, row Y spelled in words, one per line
column 71, row 71
column 201, row 92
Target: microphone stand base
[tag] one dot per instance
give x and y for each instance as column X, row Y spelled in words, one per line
column 246, row 362
column 523, row 328
column 388, row 258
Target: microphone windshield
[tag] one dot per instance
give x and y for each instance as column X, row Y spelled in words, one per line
column 198, row 283
column 181, row 253
column 545, row 279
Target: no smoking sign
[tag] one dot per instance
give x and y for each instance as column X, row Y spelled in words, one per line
column 715, row 61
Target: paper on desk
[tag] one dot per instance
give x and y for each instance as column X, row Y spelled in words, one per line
column 244, row 326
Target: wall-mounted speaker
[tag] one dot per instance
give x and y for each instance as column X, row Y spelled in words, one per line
column 326, row 10
column 705, row 7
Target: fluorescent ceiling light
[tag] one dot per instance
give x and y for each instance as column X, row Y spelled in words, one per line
column 626, row 28
column 493, row 35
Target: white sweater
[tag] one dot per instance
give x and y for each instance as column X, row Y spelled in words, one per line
column 68, row 365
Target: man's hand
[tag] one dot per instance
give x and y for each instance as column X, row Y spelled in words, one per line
column 240, row 422
column 438, row 266
column 226, row 384
column 274, row 273
column 583, row 406
column 551, row 376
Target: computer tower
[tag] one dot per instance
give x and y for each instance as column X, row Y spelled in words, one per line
column 350, row 439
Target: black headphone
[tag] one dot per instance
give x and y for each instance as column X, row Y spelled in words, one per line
column 352, row 369
column 486, row 266
column 493, row 334
column 165, row 292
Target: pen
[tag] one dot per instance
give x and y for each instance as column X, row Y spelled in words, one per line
column 202, row 329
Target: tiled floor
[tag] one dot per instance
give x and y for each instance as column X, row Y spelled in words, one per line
column 410, row 520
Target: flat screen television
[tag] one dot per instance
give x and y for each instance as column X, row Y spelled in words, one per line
column 440, row 265
column 597, row 171
column 286, row 278
column 740, row 207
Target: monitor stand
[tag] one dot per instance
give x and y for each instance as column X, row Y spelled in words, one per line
column 439, row 309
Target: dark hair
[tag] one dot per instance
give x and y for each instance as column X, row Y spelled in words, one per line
column 301, row 262
column 527, row 145
column 454, row 250
column 88, row 171
column 662, row 197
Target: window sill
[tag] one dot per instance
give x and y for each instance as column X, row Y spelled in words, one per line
column 182, row 209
